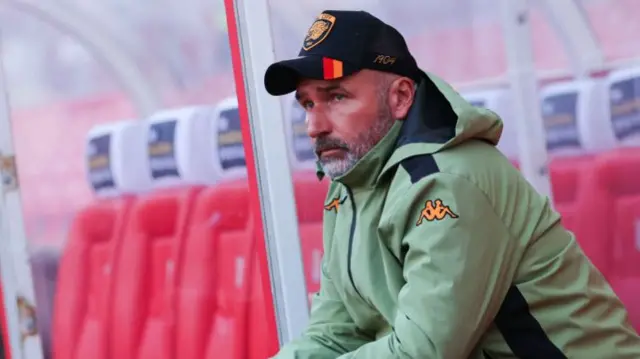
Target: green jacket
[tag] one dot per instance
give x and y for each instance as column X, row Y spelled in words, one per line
column 435, row 247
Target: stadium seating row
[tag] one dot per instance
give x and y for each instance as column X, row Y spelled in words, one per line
column 163, row 265
column 581, row 118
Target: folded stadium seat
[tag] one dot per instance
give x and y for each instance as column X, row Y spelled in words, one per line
column 216, row 286
column 624, row 172
column 211, row 309
column 577, row 128
column 213, row 294
column 263, row 341
column 143, row 315
column 310, row 196
column 617, row 216
column 117, row 169
column 618, row 173
column 566, row 174
column 181, row 164
column 221, row 308
column 608, row 209
column 500, row 101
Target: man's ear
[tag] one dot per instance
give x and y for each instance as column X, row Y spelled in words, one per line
column 401, row 96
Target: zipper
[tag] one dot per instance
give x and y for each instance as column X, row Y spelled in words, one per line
column 351, row 233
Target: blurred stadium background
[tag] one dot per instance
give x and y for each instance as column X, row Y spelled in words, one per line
column 63, row 91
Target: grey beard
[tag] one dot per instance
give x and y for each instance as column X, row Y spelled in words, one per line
column 334, row 167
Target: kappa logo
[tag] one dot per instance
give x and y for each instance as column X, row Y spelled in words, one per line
column 319, row 31
column 435, row 211
column 334, row 205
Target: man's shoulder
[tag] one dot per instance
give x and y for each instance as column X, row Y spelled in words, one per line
column 480, row 163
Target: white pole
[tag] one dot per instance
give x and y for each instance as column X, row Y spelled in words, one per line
column 276, row 190
column 522, row 76
column 15, row 271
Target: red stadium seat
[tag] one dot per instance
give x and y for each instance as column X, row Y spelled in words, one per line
column 85, row 279
column 228, row 337
column 608, row 191
column 626, row 246
column 213, row 292
column 310, row 198
column 264, row 342
column 619, row 172
column 4, row 332
column 312, row 250
column 566, row 174
column 310, row 194
column 144, row 318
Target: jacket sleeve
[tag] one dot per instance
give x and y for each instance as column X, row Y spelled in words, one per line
column 331, row 331
column 458, row 268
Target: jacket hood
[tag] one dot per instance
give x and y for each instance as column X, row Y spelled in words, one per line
column 438, row 119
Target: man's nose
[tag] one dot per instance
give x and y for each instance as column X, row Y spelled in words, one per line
column 317, row 125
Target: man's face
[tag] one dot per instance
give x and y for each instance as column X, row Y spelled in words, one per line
column 346, row 118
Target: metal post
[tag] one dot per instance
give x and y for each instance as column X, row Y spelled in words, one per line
column 521, row 73
column 15, row 271
column 274, row 173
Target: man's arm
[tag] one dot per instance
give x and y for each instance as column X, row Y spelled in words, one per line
column 457, row 268
column 331, row 331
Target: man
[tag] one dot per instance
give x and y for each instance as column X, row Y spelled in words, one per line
column 435, row 245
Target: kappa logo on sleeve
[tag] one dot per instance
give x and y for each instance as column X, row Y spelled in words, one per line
column 435, row 211
column 334, row 205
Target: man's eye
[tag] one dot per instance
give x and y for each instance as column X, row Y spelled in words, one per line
column 337, row 97
column 307, row 105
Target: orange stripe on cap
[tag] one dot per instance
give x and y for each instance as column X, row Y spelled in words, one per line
column 331, row 69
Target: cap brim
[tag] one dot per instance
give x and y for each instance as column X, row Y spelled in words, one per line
column 283, row 77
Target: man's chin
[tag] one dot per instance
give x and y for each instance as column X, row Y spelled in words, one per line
column 334, row 168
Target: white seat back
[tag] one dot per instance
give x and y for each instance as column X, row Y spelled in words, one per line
column 624, row 105
column 228, row 151
column 197, row 145
column 116, row 160
column 178, row 147
column 575, row 118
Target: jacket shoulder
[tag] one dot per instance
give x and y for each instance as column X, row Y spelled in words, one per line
column 478, row 162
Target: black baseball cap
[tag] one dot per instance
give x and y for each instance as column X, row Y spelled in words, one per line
column 339, row 44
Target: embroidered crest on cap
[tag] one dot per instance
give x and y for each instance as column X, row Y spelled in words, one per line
column 318, row 31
